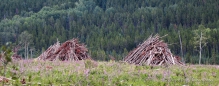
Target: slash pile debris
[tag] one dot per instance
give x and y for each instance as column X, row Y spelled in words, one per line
column 3, row 79
column 15, row 56
column 70, row 50
column 152, row 52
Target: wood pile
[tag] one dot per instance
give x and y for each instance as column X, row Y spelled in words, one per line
column 70, row 50
column 153, row 51
column 1, row 58
column 3, row 79
column 15, row 56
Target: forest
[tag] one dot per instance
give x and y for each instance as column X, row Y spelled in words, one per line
column 112, row 27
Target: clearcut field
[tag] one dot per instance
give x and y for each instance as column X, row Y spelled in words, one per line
column 89, row 73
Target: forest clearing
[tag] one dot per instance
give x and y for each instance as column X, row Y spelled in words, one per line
column 90, row 73
column 68, row 64
column 109, row 42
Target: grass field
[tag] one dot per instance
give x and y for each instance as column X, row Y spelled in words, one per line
column 89, row 73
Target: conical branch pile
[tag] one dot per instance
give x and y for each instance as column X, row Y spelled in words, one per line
column 70, row 50
column 15, row 56
column 153, row 51
column 3, row 79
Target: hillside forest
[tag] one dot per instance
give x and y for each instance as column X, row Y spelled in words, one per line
column 112, row 27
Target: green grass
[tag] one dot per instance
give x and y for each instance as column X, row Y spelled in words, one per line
column 83, row 73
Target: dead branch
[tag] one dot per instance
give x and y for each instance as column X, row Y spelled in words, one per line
column 70, row 50
column 153, row 51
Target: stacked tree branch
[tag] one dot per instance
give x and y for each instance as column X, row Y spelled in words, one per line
column 1, row 58
column 70, row 50
column 15, row 56
column 3, row 79
column 153, row 51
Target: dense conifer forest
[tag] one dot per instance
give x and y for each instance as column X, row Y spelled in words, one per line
column 113, row 27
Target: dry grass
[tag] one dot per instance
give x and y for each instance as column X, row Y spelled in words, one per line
column 109, row 73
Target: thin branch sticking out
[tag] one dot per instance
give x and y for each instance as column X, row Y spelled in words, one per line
column 71, row 50
column 153, row 51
